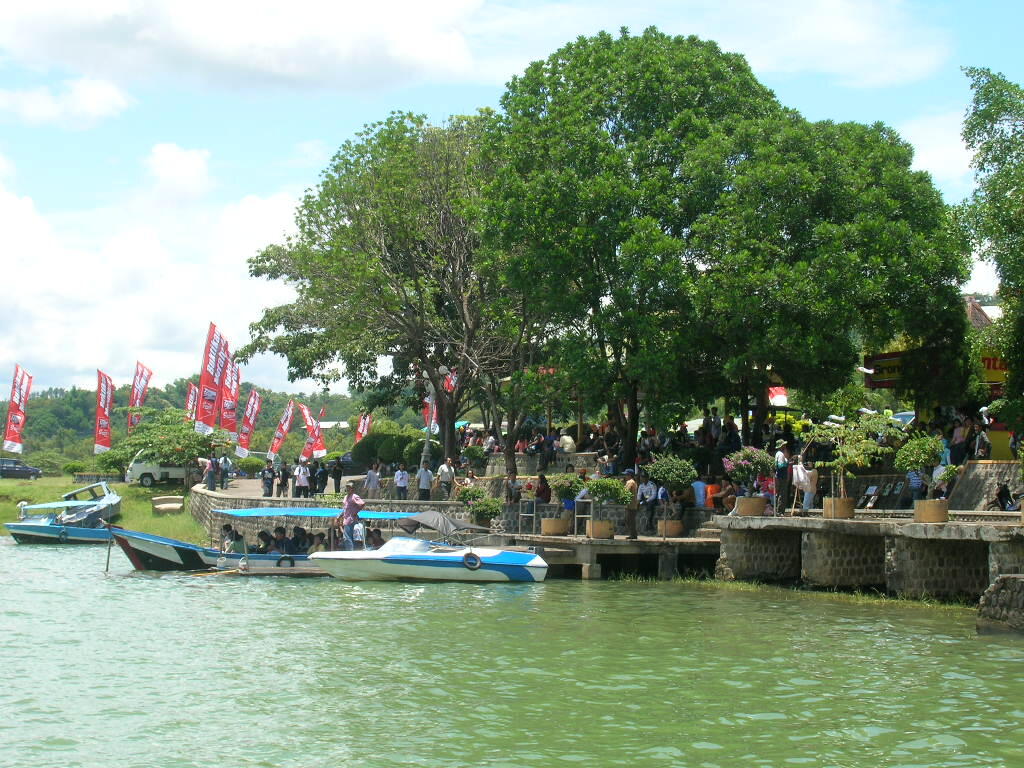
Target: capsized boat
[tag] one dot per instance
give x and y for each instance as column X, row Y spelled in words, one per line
column 80, row 517
column 149, row 552
column 404, row 558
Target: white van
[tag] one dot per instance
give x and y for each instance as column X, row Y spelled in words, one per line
column 145, row 474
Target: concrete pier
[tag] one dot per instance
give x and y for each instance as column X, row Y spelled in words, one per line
column 946, row 560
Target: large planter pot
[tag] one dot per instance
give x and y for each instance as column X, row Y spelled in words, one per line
column 554, row 526
column 600, row 529
column 931, row 511
column 751, row 506
column 837, row 508
column 672, row 529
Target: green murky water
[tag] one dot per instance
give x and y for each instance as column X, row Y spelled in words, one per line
column 132, row 670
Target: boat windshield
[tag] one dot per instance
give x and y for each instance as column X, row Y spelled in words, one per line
column 408, row 545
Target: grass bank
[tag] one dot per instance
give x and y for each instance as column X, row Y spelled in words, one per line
column 136, row 505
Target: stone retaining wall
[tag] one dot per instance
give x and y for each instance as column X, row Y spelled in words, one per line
column 762, row 556
column 1001, row 608
column 829, row 559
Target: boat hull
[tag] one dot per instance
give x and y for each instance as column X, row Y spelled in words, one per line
column 477, row 565
column 33, row 533
column 155, row 553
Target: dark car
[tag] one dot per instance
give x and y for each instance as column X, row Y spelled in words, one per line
column 18, row 468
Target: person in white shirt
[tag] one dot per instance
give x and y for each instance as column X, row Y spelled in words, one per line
column 647, row 496
column 445, row 478
column 401, row 483
column 302, row 480
column 424, row 479
column 565, row 442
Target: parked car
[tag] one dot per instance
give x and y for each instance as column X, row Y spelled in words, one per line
column 146, row 473
column 18, row 468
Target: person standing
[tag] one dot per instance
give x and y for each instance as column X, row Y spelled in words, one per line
column 401, row 482
column 337, row 472
column 647, row 498
column 445, row 478
column 351, row 507
column 424, row 479
column 284, row 480
column 267, row 475
column 981, row 446
column 371, row 484
column 781, row 473
column 302, row 480
column 632, row 506
column 225, row 470
column 211, row 473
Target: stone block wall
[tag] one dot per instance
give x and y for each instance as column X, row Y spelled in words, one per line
column 838, row 560
column 1005, row 558
column 1001, row 608
column 766, row 555
column 943, row 568
column 528, row 464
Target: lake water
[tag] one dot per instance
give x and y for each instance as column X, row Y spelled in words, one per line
column 130, row 670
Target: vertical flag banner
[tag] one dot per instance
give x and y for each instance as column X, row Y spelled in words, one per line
column 252, row 412
column 451, row 380
column 211, row 378
column 283, row 426
column 191, row 401
column 363, row 426
column 20, row 390
column 314, row 439
column 430, row 414
column 104, row 405
column 229, row 400
column 137, row 397
column 778, row 396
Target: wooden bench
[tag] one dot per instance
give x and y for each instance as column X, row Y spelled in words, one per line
column 168, row 505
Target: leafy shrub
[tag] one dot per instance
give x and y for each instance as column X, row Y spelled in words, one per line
column 566, row 486
column 475, row 455
column 482, row 510
column 918, row 453
column 673, row 473
column 251, row 466
column 393, row 448
column 470, row 494
column 747, row 464
column 74, row 467
column 366, row 450
column 414, row 452
column 606, row 489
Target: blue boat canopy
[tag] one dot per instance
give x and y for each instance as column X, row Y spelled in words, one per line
column 366, row 514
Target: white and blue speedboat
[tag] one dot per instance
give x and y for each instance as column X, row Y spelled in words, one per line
column 403, row 558
column 80, row 517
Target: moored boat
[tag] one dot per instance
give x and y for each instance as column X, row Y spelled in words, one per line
column 80, row 517
column 403, row 558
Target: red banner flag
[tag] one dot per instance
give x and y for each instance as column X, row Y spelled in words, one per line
column 191, row 401
column 314, row 446
column 137, row 397
column 229, row 400
column 20, row 390
column 283, row 426
column 430, row 414
column 363, row 426
column 104, row 406
column 252, row 412
column 211, row 378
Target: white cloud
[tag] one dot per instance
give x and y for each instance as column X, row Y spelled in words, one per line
column 940, row 150
column 178, row 172
column 317, row 43
column 143, row 283
column 80, row 102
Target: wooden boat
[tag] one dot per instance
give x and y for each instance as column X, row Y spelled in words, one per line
column 80, row 517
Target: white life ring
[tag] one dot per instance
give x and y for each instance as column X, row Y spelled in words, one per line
column 472, row 561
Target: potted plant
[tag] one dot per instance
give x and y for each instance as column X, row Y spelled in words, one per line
column 605, row 490
column 484, row 510
column 566, row 487
column 917, row 455
column 855, row 443
column 676, row 475
column 745, row 466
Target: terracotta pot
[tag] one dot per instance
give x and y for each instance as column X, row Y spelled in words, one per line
column 931, row 511
column 673, row 529
column 837, row 507
column 751, row 506
column 600, row 529
column 554, row 526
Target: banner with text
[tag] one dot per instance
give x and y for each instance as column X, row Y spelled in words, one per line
column 363, row 426
column 137, row 397
column 211, row 378
column 20, row 390
column 252, row 412
column 191, row 401
column 314, row 446
column 283, row 427
column 104, row 406
column 229, row 400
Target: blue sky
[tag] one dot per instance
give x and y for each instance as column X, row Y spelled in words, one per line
column 148, row 148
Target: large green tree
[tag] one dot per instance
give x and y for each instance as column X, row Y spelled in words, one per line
column 388, row 262
column 994, row 129
column 597, row 193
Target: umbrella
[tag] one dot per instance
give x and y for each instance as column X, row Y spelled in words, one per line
column 459, row 424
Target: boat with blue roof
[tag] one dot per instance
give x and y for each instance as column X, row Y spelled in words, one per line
column 80, row 517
